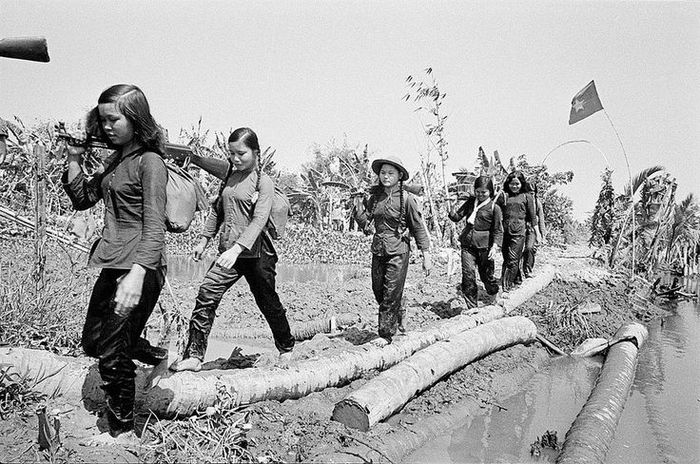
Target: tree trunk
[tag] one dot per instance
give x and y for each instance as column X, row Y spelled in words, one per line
column 591, row 434
column 392, row 389
column 529, row 287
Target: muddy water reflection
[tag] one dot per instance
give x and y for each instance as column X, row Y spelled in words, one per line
column 660, row 423
column 550, row 402
column 183, row 268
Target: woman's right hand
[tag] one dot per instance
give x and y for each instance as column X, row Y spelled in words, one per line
column 75, row 153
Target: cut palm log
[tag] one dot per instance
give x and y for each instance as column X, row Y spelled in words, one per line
column 392, row 389
column 300, row 331
column 591, row 434
column 594, row 346
column 528, row 288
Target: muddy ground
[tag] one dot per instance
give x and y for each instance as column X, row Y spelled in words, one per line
column 301, row 430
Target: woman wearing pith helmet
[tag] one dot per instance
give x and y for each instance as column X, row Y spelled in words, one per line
column 396, row 216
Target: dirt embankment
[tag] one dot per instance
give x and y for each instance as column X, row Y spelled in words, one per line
column 301, row 430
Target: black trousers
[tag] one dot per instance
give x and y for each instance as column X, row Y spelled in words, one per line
column 529, row 254
column 260, row 274
column 388, row 279
column 112, row 338
column 512, row 254
column 474, row 259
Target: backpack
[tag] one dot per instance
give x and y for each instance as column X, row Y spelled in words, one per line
column 184, row 196
column 277, row 222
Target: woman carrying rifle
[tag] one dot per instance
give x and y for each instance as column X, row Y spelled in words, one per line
column 131, row 251
column 243, row 209
column 480, row 240
column 396, row 216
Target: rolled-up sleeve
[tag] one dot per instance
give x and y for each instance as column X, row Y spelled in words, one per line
column 261, row 213
column 84, row 193
column 415, row 223
column 154, row 178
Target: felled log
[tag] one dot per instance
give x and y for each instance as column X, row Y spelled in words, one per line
column 528, row 288
column 392, row 389
column 591, row 434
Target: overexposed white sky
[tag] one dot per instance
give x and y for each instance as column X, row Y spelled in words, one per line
column 306, row 72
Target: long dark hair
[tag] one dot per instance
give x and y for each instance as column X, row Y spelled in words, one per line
column 524, row 186
column 132, row 103
column 484, row 182
column 250, row 139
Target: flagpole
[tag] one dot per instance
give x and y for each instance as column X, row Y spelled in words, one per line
column 629, row 173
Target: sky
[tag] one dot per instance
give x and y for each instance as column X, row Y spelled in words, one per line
column 307, row 73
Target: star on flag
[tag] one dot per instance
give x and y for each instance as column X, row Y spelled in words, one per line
column 585, row 103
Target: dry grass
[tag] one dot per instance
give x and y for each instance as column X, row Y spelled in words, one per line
column 50, row 319
column 15, row 392
column 217, row 434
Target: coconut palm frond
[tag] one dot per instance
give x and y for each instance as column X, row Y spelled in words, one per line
column 642, row 176
column 499, row 163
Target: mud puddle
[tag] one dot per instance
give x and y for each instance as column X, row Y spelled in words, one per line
column 660, row 422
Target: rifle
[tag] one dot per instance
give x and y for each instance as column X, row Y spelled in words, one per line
column 25, row 48
column 172, row 150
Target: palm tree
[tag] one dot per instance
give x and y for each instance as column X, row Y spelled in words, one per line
column 684, row 233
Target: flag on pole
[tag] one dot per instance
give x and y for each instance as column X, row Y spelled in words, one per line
column 584, row 104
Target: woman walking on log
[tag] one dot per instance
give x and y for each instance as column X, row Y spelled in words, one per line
column 518, row 208
column 131, row 251
column 531, row 242
column 243, row 209
column 396, row 216
column 480, row 240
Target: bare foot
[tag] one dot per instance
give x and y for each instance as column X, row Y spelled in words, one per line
column 127, row 440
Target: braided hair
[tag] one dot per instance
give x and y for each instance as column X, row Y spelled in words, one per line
column 401, row 207
column 250, row 139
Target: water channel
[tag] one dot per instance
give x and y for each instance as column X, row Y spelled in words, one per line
column 660, row 423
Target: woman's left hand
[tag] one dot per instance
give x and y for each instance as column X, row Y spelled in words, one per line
column 493, row 252
column 129, row 291
column 228, row 258
column 427, row 263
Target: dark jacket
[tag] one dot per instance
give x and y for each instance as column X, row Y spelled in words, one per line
column 518, row 212
column 240, row 218
column 487, row 229
column 133, row 191
column 390, row 237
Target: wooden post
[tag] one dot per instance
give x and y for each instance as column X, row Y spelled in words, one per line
column 39, row 216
